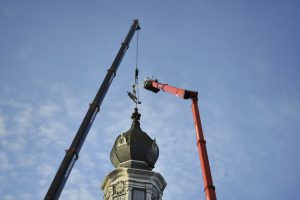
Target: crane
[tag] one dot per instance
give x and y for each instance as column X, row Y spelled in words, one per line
column 72, row 153
column 155, row 86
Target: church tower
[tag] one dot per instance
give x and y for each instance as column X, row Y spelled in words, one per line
column 134, row 155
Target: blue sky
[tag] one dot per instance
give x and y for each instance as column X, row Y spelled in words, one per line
column 242, row 57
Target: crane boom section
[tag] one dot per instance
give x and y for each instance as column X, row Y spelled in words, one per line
column 155, row 86
column 209, row 187
column 72, row 153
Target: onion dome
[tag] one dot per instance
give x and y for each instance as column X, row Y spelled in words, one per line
column 134, row 148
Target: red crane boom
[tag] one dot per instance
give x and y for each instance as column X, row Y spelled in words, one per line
column 155, row 86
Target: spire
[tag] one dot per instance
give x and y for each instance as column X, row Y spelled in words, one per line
column 134, row 155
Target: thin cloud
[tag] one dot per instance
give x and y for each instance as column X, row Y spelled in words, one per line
column 48, row 109
column 5, row 164
column 25, row 52
column 2, row 126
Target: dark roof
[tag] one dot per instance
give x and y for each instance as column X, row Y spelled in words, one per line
column 134, row 148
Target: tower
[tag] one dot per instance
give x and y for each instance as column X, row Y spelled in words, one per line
column 134, row 155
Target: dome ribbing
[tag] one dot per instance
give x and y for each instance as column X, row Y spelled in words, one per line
column 134, row 148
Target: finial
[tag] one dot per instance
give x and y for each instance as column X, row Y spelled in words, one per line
column 136, row 116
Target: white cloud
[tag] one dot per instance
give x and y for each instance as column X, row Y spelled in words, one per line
column 24, row 119
column 25, row 52
column 5, row 163
column 81, row 193
column 73, row 104
column 2, row 126
column 79, row 187
column 157, row 121
column 9, row 197
column 48, row 109
column 26, row 196
column 15, row 145
column 52, row 132
column 26, row 161
column 5, row 89
column 43, row 127
column 45, row 169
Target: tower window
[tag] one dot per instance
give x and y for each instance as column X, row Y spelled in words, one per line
column 138, row 194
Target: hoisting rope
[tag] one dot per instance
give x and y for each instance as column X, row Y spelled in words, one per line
column 135, row 89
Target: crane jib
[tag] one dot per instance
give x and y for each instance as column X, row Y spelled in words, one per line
column 71, row 155
column 70, row 166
